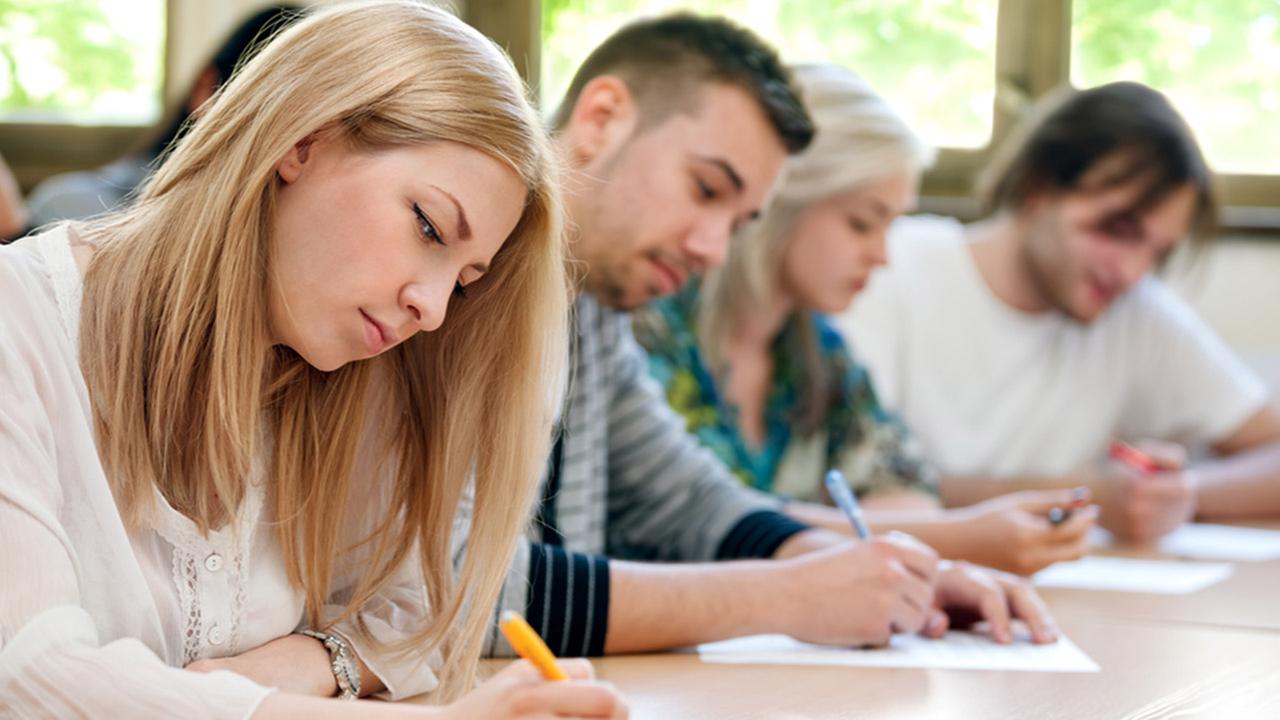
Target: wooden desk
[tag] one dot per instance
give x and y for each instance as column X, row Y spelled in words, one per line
column 1148, row 670
column 1211, row 654
column 1250, row 598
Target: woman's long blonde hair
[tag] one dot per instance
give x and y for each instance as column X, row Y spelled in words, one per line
column 187, row 390
column 858, row 138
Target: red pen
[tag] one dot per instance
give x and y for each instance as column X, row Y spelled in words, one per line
column 1133, row 457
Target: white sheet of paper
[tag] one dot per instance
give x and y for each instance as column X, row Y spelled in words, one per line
column 1169, row 577
column 956, row 651
column 1222, row 542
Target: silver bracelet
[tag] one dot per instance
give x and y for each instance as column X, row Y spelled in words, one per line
column 343, row 662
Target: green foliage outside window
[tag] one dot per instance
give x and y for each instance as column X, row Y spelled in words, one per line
column 87, row 60
column 933, row 59
column 1218, row 61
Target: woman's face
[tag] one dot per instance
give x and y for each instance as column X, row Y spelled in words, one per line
column 370, row 246
column 836, row 242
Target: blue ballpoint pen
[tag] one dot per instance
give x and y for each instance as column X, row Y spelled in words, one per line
column 839, row 490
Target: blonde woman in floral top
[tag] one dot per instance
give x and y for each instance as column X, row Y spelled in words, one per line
column 850, row 430
column 748, row 357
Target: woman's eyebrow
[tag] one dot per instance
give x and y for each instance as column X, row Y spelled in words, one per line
column 463, row 227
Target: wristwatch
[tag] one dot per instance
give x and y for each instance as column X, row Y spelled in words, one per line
column 343, row 662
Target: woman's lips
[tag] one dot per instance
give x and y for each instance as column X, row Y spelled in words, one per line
column 375, row 337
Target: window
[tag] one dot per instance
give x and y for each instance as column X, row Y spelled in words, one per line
column 962, row 70
column 1219, row 62
column 83, row 61
column 934, row 60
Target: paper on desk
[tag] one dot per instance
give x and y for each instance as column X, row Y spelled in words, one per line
column 956, row 651
column 1221, row 542
column 1170, row 577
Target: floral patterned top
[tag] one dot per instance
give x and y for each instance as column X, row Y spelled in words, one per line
column 871, row 446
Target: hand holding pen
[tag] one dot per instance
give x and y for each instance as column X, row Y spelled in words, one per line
column 1146, row 491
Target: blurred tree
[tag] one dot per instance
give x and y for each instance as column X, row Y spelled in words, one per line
column 933, row 59
column 1218, row 62
column 71, row 56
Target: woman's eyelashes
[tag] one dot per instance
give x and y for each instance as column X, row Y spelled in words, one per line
column 425, row 226
column 429, row 232
column 859, row 225
column 705, row 191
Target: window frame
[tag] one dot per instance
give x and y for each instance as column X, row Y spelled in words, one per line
column 1033, row 57
column 34, row 151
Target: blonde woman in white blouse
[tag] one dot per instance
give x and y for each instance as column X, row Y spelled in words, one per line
column 239, row 410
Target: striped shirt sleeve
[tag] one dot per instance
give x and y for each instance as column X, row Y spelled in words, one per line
column 568, row 600
column 669, row 497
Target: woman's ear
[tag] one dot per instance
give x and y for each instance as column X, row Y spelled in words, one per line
column 290, row 166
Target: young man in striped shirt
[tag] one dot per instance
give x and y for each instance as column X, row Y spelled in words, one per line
column 673, row 132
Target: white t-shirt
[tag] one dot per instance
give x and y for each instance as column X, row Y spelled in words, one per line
column 994, row 391
column 95, row 620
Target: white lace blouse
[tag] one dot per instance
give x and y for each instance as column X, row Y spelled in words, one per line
column 95, row 620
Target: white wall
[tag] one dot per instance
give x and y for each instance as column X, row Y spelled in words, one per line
column 196, row 28
column 1236, row 288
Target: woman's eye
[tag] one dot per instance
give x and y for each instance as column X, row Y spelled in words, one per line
column 459, row 290
column 704, row 190
column 425, row 226
column 859, row 226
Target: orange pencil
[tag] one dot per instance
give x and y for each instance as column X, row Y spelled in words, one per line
column 529, row 646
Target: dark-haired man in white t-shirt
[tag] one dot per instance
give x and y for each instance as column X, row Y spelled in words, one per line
column 1020, row 347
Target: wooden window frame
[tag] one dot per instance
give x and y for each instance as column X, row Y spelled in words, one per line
column 1033, row 56
column 34, row 151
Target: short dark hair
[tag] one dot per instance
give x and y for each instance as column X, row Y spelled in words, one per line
column 665, row 61
column 250, row 36
column 1071, row 131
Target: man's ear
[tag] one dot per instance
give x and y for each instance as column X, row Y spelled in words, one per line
column 290, row 166
column 603, row 117
column 205, row 85
column 1038, row 192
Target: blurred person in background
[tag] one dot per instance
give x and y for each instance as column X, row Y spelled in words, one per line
column 1020, row 347
column 751, row 361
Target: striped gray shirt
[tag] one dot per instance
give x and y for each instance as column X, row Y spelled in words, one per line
column 626, row 481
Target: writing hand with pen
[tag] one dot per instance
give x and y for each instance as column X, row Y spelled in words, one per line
column 1145, row 490
column 863, row 591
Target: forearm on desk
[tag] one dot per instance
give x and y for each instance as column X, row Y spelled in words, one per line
column 1246, row 484
column 944, row 530
column 963, row 490
column 662, row 606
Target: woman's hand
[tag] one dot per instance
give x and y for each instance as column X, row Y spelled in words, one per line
column 519, row 691
column 1014, row 532
column 295, row 664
